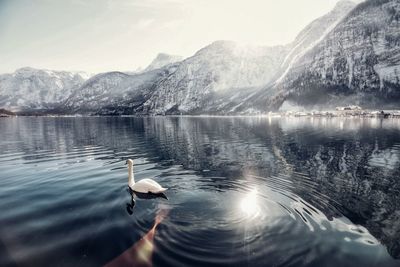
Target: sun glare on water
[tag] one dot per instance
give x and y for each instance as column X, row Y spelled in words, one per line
column 249, row 204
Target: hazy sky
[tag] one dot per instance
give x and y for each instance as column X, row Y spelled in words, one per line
column 105, row 35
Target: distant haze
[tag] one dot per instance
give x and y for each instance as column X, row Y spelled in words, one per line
column 105, row 35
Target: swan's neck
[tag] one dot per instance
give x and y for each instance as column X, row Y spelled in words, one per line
column 131, row 179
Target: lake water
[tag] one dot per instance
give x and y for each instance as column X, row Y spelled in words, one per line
column 242, row 191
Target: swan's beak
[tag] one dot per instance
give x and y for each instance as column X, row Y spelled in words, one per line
column 126, row 162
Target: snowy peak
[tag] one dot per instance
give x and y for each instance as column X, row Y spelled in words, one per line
column 225, row 49
column 162, row 60
column 221, row 46
column 344, row 4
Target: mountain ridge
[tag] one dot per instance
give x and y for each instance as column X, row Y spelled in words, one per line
column 349, row 55
column 28, row 88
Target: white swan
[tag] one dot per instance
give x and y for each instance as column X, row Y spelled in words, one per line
column 144, row 185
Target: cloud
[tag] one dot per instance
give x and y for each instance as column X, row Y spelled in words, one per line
column 108, row 33
column 144, row 23
column 172, row 24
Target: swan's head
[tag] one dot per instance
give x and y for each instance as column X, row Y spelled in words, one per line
column 129, row 162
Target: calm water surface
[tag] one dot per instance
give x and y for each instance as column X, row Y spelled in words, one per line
column 242, row 191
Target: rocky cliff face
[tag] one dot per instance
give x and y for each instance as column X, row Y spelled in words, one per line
column 357, row 62
column 312, row 34
column 33, row 89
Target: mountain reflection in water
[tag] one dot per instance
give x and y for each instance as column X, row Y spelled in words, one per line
column 242, row 191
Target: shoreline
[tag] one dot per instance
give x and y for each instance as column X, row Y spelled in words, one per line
column 274, row 115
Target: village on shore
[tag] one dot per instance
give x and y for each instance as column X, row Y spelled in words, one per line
column 348, row 111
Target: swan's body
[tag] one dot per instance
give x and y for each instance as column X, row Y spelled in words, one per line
column 143, row 186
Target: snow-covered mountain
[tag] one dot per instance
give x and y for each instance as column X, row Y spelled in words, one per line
column 217, row 69
column 350, row 55
column 115, row 92
column 305, row 41
column 357, row 62
column 225, row 77
column 162, row 60
column 35, row 89
column 222, row 70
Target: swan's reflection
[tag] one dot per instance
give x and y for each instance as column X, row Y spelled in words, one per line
column 133, row 194
column 140, row 253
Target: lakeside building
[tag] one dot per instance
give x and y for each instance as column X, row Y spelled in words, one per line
column 348, row 111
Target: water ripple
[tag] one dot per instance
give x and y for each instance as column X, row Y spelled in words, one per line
column 242, row 191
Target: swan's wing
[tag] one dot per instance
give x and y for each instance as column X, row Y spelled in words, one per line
column 150, row 181
column 148, row 185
